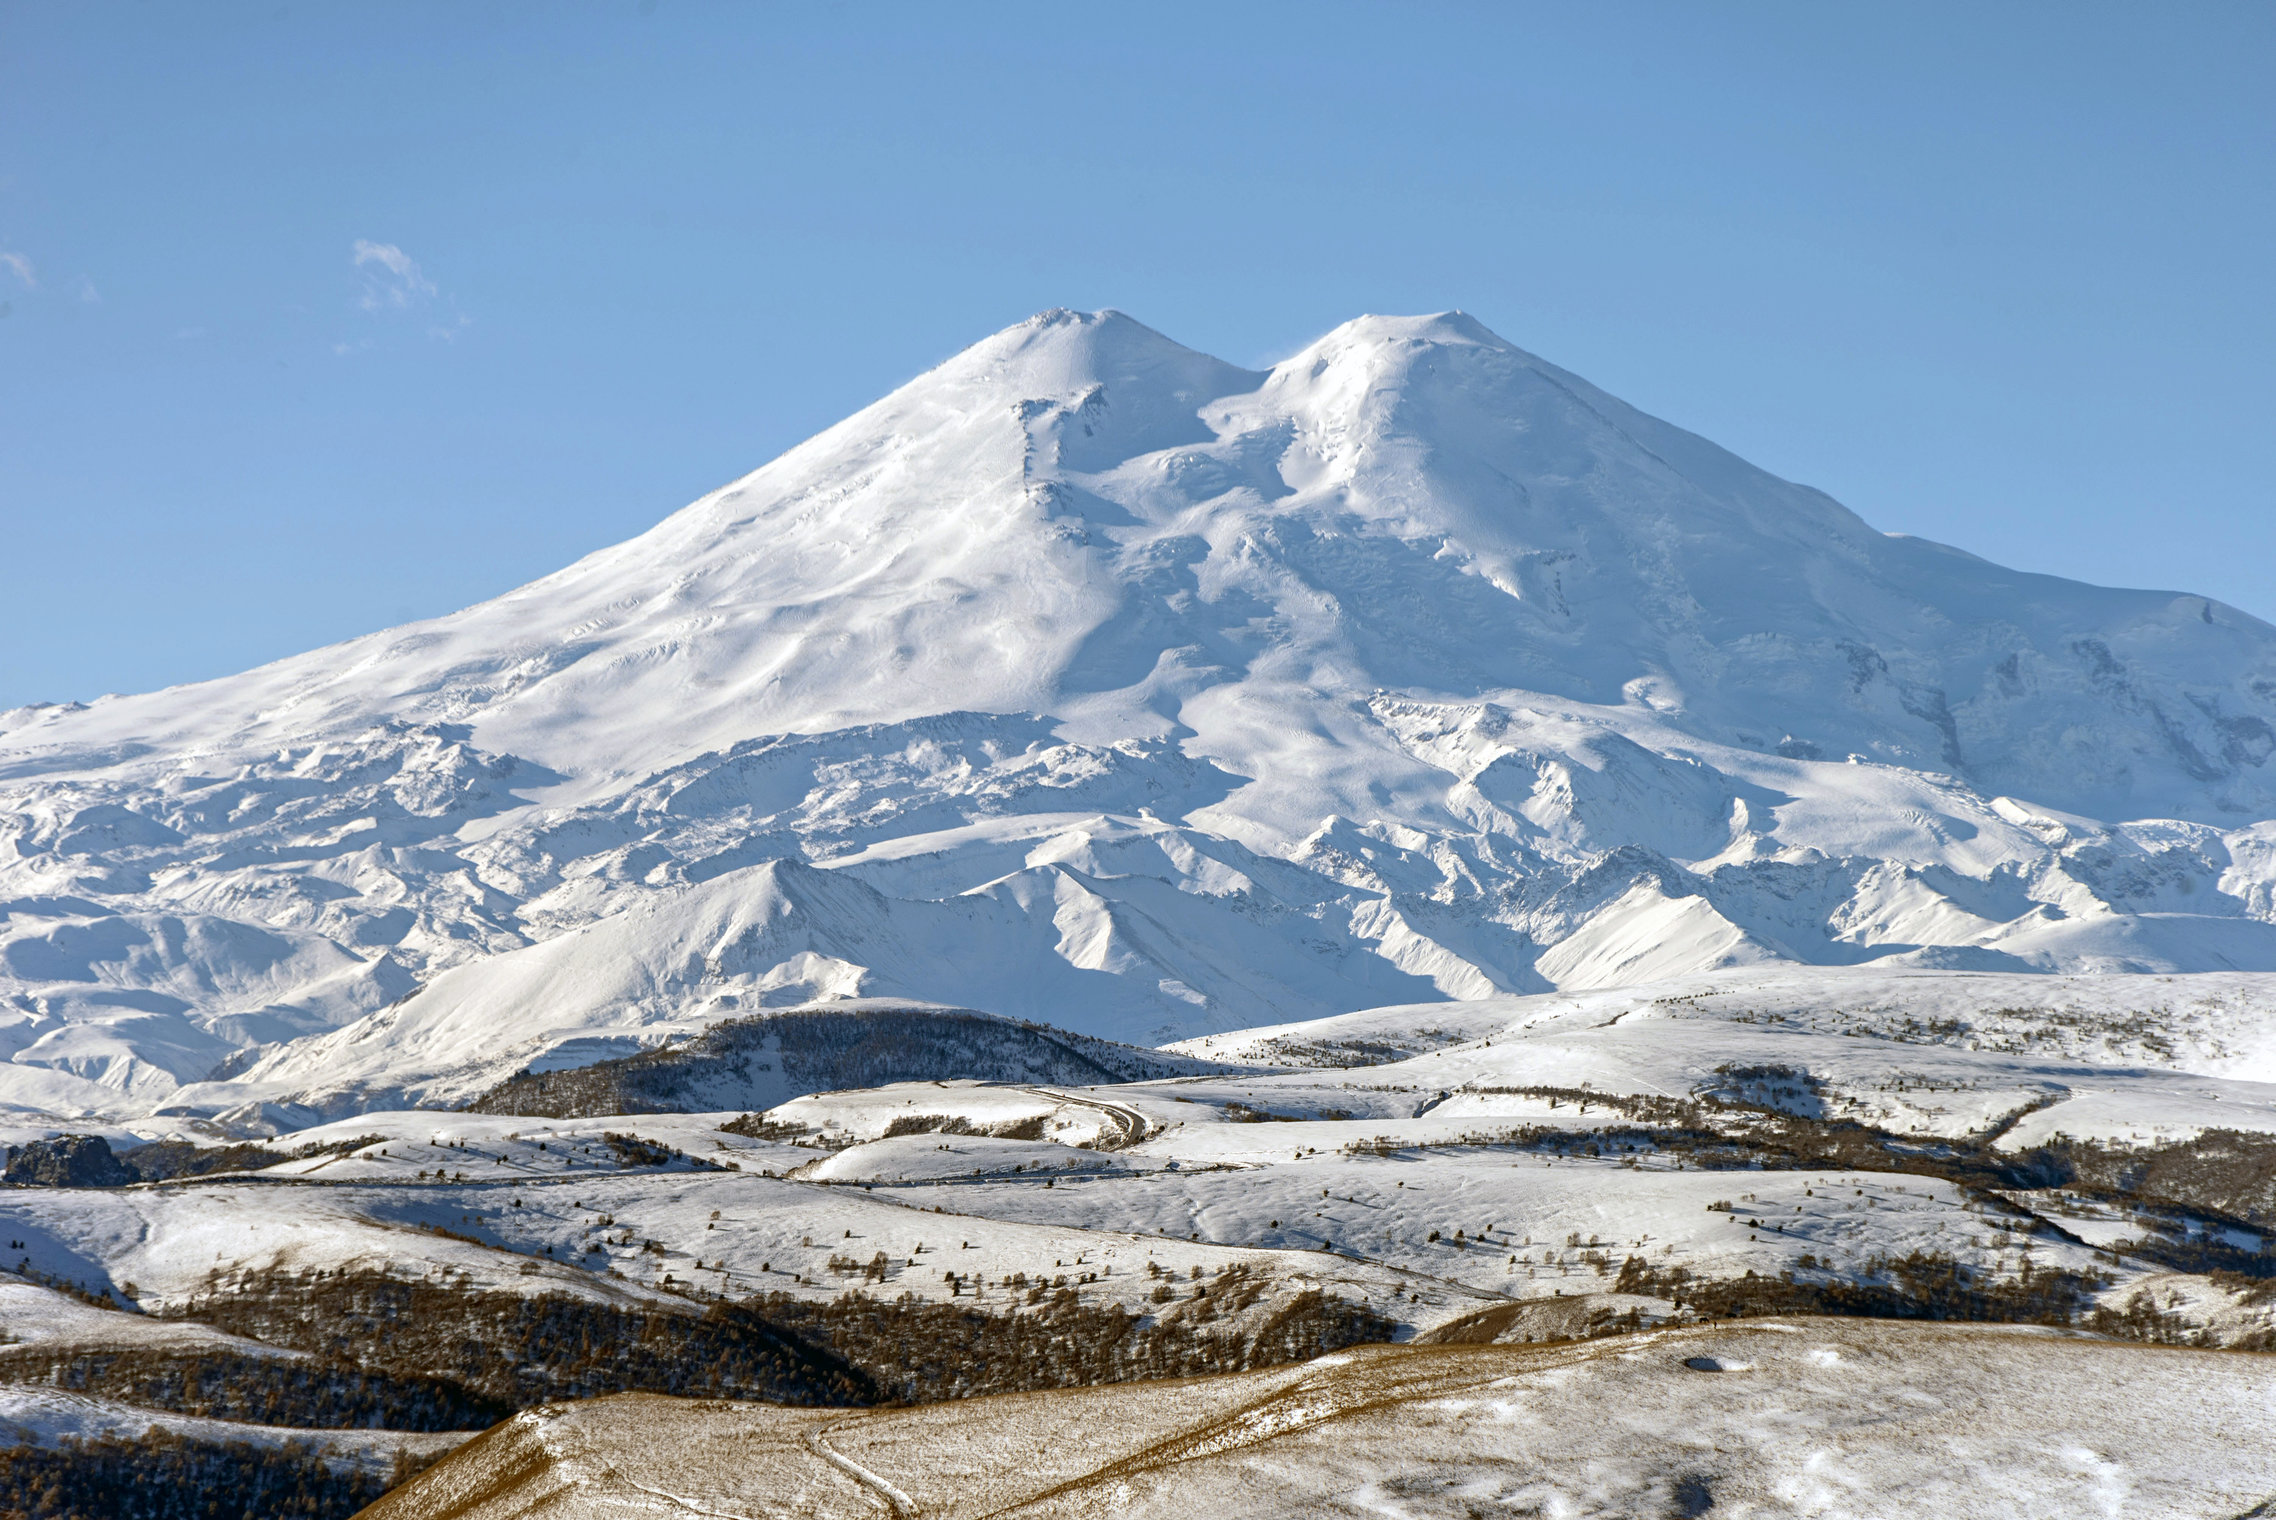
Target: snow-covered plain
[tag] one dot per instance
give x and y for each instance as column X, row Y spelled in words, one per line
column 1089, row 679
column 2220, row 1024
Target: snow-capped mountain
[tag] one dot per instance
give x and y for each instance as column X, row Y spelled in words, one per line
column 1092, row 680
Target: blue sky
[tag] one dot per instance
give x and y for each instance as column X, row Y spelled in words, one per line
column 321, row 317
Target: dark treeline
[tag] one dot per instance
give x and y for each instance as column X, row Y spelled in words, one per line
column 423, row 1344
column 1921, row 1285
column 301, row 1393
column 428, row 1356
column 164, row 1477
column 914, row 1351
column 2223, row 1172
column 514, row 1350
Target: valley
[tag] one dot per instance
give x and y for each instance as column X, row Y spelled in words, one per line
column 1572, row 1176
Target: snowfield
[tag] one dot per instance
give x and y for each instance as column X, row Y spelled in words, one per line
column 2218, row 1023
column 1090, row 680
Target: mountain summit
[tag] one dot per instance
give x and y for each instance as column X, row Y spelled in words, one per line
column 1078, row 515
column 1089, row 678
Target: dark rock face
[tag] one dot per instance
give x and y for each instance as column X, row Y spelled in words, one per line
column 77, row 1161
column 88, row 1161
column 765, row 1059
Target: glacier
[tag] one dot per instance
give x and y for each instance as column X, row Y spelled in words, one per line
column 1092, row 680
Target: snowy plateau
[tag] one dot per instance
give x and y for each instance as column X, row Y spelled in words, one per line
column 1396, row 880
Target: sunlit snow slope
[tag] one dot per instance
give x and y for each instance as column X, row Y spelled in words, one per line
column 1089, row 679
column 1828, row 1419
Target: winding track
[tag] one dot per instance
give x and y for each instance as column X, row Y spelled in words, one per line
column 899, row 1504
column 1131, row 1125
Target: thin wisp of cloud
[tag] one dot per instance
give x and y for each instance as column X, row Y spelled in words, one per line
column 391, row 278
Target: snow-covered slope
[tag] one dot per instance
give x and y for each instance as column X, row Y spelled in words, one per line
column 2219, row 1024
column 1089, row 679
column 1817, row 1418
